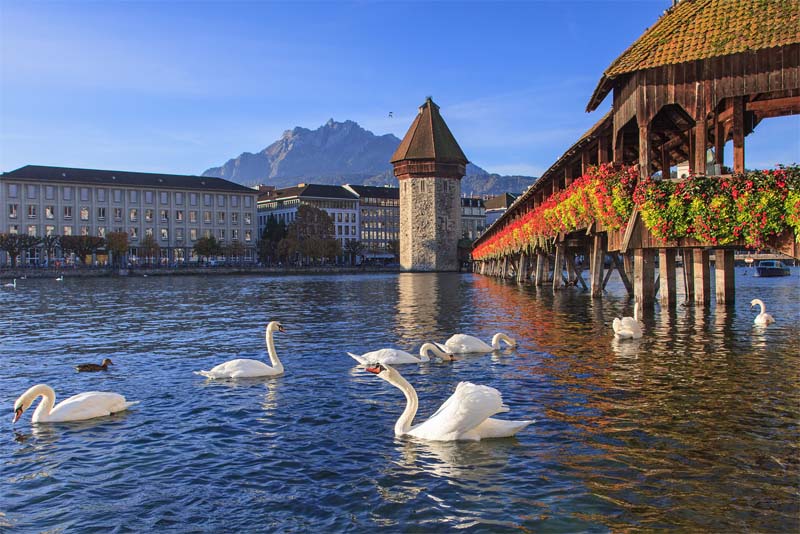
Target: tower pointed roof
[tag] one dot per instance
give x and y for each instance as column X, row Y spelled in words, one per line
column 429, row 138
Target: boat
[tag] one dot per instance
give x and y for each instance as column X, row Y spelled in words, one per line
column 771, row 268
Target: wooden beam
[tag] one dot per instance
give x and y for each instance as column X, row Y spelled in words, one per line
column 558, row 268
column 644, row 151
column 738, row 134
column 602, row 149
column 700, row 144
column 723, row 271
column 702, row 277
column 596, row 261
column 790, row 104
column 643, row 276
column 667, row 276
column 688, row 273
column 586, row 161
column 537, row 278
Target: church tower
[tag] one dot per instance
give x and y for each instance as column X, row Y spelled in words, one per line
column 429, row 165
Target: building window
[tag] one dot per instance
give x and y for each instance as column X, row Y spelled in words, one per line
column 84, row 194
column 31, row 211
column 101, row 231
column 12, row 191
column 164, row 234
column 207, row 217
column 148, row 232
column 179, row 234
column 221, row 234
column 31, row 191
column 247, row 217
column 163, row 198
column 193, row 234
column 220, row 217
column 179, row 216
column 49, row 192
column 117, row 214
column 148, row 215
column 101, row 214
column 207, row 233
column 235, row 201
column 68, row 212
column 148, row 197
column 220, row 201
column 164, row 215
column 133, row 232
column 248, row 235
column 133, row 196
column 179, row 199
column 67, row 230
column 134, row 215
column 206, row 199
column 247, row 202
column 13, row 229
column 84, row 213
column 49, row 212
column 101, row 195
column 117, row 195
column 49, row 230
column 235, row 217
column 32, row 230
column 66, row 193
column 84, row 230
column 193, row 199
column 235, row 234
column 12, row 211
column 192, row 216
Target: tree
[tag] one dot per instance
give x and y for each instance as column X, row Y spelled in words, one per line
column 205, row 247
column 288, row 248
column 353, row 249
column 10, row 244
column 81, row 245
column 235, row 250
column 117, row 243
column 313, row 229
column 28, row 242
column 49, row 244
column 149, row 248
column 267, row 245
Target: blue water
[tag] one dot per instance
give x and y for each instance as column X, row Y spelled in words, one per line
column 694, row 427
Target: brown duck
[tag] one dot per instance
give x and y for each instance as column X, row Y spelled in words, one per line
column 93, row 366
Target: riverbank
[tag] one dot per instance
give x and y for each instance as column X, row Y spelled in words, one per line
column 100, row 272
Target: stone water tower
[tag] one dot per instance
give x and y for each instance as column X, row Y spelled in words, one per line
column 429, row 165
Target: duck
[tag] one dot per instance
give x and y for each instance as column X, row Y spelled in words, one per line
column 79, row 407
column 763, row 318
column 84, row 367
column 397, row 356
column 628, row 327
column 12, row 285
column 463, row 343
column 465, row 416
column 246, row 368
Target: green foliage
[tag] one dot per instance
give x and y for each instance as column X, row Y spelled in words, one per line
column 206, row 247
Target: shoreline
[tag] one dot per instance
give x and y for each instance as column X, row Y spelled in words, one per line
column 103, row 272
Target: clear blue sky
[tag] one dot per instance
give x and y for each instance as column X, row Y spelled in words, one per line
column 182, row 86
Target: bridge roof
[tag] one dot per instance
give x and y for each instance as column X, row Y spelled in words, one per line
column 429, row 138
column 701, row 29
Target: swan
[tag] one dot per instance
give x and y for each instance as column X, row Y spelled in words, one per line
column 79, row 407
column 60, row 278
column 763, row 318
column 462, row 343
column 396, row 356
column 628, row 327
column 94, row 367
column 466, row 415
column 12, row 285
column 244, row 368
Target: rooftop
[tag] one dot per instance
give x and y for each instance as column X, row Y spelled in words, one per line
column 308, row 191
column 124, row 178
column 374, row 191
column 429, row 138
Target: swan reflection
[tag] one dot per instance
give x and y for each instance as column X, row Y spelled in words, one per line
column 456, row 460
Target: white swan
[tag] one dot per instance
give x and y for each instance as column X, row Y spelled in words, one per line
column 60, row 278
column 462, row 343
column 244, row 368
column 12, row 285
column 466, row 415
column 628, row 327
column 763, row 318
column 79, row 407
column 397, row 356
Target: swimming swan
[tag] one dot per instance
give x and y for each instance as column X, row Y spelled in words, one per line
column 763, row 318
column 628, row 327
column 466, row 415
column 79, row 407
column 12, row 285
column 60, row 278
column 244, row 368
column 462, row 343
column 397, row 356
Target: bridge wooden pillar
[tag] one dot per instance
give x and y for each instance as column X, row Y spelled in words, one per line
column 558, row 267
column 667, row 274
column 504, row 271
column 724, row 273
column 569, row 259
column 700, row 142
column 738, row 134
column 644, row 276
column 602, row 149
column 596, row 261
column 688, row 273
column 702, row 277
column 522, row 271
column 539, row 273
column 627, row 265
column 644, row 151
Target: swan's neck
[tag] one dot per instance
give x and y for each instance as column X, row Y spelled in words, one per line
column 759, row 302
column 427, row 348
column 47, row 403
column 403, row 424
column 498, row 337
column 273, row 356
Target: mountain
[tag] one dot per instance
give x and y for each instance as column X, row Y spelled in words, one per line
column 339, row 153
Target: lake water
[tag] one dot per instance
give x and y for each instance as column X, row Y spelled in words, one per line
column 693, row 427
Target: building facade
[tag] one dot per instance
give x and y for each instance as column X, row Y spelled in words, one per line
column 473, row 217
column 429, row 165
column 176, row 210
column 379, row 209
column 496, row 206
column 339, row 203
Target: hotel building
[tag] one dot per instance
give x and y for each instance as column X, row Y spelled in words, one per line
column 473, row 217
column 380, row 219
column 176, row 210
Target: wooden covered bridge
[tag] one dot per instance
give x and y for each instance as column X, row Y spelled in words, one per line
column 705, row 75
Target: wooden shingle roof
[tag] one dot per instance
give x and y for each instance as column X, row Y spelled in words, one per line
column 429, row 138
column 700, row 29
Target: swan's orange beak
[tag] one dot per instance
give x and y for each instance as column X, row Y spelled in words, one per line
column 17, row 415
column 373, row 370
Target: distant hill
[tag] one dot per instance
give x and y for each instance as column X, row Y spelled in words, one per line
column 338, row 153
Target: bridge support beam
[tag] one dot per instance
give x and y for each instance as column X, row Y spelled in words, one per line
column 558, row 267
column 723, row 271
column 596, row 260
column 644, row 276
column 522, row 271
column 667, row 274
column 702, row 277
column 538, row 279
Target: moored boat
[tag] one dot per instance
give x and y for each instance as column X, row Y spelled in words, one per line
column 771, row 268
